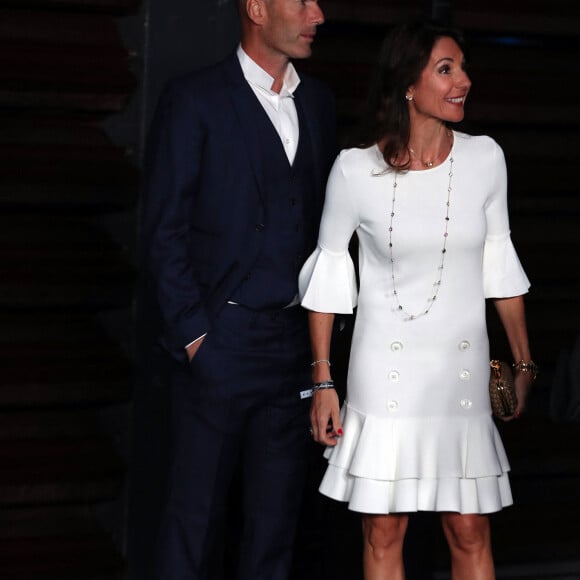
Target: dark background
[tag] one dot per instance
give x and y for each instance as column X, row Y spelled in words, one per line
column 83, row 409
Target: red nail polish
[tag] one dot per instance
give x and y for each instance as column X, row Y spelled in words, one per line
column 339, row 432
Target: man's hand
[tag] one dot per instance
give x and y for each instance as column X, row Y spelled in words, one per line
column 193, row 348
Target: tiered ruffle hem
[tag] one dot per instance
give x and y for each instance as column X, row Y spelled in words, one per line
column 383, row 465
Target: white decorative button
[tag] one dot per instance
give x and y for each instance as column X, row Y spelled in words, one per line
column 464, row 375
column 464, row 345
column 396, row 346
column 466, row 404
column 392, row 406
column 394, row 376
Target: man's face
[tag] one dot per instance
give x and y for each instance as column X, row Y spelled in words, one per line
column 289, row 27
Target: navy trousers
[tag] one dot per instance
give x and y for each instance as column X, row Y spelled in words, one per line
column 239, row 404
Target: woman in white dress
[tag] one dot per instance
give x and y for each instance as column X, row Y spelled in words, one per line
column 428, row 206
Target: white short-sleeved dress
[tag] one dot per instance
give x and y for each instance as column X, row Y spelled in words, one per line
column 418, row 430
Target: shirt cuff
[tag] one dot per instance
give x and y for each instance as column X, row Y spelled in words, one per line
column 194, row 341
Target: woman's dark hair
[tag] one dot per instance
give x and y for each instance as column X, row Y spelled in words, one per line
column 403, row 56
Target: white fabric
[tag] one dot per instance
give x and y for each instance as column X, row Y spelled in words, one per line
column 279, row 107
column 324, row 265
column 418, row 431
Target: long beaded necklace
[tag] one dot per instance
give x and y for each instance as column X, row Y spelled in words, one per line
column 437, row 284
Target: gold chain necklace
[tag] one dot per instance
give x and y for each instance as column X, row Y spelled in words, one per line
column 426, row 164
column 429, row 164
column 437, row 284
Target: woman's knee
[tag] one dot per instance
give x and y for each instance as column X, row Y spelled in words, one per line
column 382, row 532
column 466, row 532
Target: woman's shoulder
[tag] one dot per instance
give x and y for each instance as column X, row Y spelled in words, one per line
column 476, row 144
column 357, row 161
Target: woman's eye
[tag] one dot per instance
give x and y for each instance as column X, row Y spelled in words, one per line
column 445, row 69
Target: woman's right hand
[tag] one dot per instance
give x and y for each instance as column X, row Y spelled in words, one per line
column 325, row 417
column 324, row 408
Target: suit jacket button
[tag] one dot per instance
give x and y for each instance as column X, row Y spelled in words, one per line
column 260, row 227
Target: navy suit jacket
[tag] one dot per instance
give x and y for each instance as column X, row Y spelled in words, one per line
column 205, row 186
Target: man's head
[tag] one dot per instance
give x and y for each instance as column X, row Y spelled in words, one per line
column 275, row 31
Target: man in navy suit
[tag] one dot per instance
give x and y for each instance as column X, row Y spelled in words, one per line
column 238, row 158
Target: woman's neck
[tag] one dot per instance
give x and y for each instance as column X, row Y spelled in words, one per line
column 429, row 146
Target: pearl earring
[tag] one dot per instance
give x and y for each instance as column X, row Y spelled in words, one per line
column 409, row 97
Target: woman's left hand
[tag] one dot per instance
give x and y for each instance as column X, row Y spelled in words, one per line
column 512, row 315
column 523, row 384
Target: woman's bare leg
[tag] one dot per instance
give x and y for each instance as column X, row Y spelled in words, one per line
column 383, row 537
column 469, row 539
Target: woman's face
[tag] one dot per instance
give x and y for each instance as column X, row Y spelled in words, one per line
column 442, row 88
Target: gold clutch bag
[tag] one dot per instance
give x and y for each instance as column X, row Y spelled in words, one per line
column 502, row 392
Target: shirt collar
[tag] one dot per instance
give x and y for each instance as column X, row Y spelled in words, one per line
column 258, row 77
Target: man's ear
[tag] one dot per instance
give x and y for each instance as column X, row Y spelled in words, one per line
column 256, row 11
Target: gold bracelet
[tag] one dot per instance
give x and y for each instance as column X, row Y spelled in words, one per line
column 527, row 367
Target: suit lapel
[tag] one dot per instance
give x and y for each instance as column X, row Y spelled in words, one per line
column 256, row 130
column 309, row 127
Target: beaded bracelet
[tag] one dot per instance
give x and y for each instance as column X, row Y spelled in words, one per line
column 527, row 367
column 322, row 360
column 323, row 385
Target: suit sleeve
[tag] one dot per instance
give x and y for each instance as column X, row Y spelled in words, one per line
column 171, row 174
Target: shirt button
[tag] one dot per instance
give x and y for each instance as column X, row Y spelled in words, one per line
column 394, row 376
column 464, row 375
column 464, row 345
column 466, row 404
column 260, row 227
column 292, row 201
column 396, row 346
column 392, row 406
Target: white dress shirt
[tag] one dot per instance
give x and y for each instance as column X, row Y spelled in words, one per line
column 279, row 107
